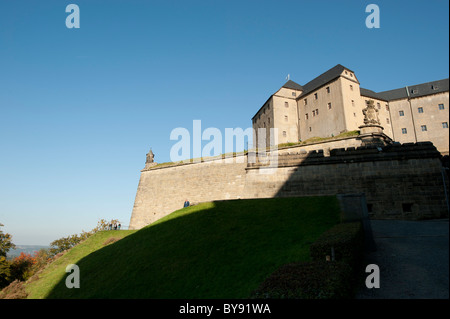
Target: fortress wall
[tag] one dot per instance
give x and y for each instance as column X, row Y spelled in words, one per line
column 400, row 182
column 163, row 190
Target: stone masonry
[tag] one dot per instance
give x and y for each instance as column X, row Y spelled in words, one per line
column 399, row 181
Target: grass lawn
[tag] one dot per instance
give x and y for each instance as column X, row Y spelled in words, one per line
column 212, row 250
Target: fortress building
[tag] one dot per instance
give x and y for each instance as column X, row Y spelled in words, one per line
column 332, row 104
column 394, row 158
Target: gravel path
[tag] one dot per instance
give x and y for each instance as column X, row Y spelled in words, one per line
column 413, row 258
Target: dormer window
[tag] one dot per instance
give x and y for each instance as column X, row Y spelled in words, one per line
column 434, row 87
column 414, row 91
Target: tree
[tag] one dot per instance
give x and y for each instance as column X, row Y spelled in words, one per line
column 65, row 243
column 5, row 245
column 5, row 242
column 22, row 267
column 5, row 272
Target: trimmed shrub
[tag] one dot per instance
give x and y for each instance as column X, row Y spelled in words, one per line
column 345, row 240
column 336, row 256
column 307, row 280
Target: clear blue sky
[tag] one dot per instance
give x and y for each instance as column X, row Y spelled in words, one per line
column 80, row 108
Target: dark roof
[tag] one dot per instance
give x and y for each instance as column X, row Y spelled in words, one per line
column 413, row 91
column 292, row 85
column 288, row 85
column 324, row 78
column 370, row 93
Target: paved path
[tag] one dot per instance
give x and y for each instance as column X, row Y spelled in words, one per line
column 413, row 257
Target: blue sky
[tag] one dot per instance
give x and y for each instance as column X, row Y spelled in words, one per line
column 80, row 108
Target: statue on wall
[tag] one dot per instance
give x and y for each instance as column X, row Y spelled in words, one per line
column 150, row 157
column 371, row 114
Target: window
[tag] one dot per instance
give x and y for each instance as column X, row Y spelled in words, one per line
column 310, row 129
column 351, row 87
column 317, row 112
column 424, row 128
column 353, row 102
column 434, row 87
column 329, row 106
column 294, row 94
column 286, row 104
column 444, row 125
column 407, row 207
column 401, row 113
column 441, row 106
column 328, row 89
column 284, row 133
column 387, row 107
column 264, row 124
column 351, row 74
column 305, row 101
column 387, row 120
column 414, row 91
column 268, row 120
column 286, row 118
column 314, row 113
column 315, row 96
column 306, row 116
column 378, row 105
column 354, row 114
column 420, row 109
column 404, row 131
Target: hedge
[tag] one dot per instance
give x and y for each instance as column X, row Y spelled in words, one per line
column 307, row 280
column 332, row 273
column 345, row 240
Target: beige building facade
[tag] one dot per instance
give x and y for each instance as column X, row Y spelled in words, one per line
column 332, row 104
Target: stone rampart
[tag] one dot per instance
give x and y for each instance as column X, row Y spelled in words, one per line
column 399, row 181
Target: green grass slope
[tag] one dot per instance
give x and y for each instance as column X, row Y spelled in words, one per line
column 55, row 272
column 211, row 250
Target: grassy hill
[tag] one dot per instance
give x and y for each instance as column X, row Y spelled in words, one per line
column 212, row 250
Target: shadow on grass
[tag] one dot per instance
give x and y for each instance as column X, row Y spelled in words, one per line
column 222, row 249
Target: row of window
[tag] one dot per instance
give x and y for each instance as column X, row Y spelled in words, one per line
column 316, row 111
column 420, row 110
column 424, row 128
column 316, row 97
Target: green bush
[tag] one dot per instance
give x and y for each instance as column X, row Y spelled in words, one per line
column 347, row 241
column 307, row 280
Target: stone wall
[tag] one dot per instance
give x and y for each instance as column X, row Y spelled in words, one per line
column 399, row 182
column 164, row 190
